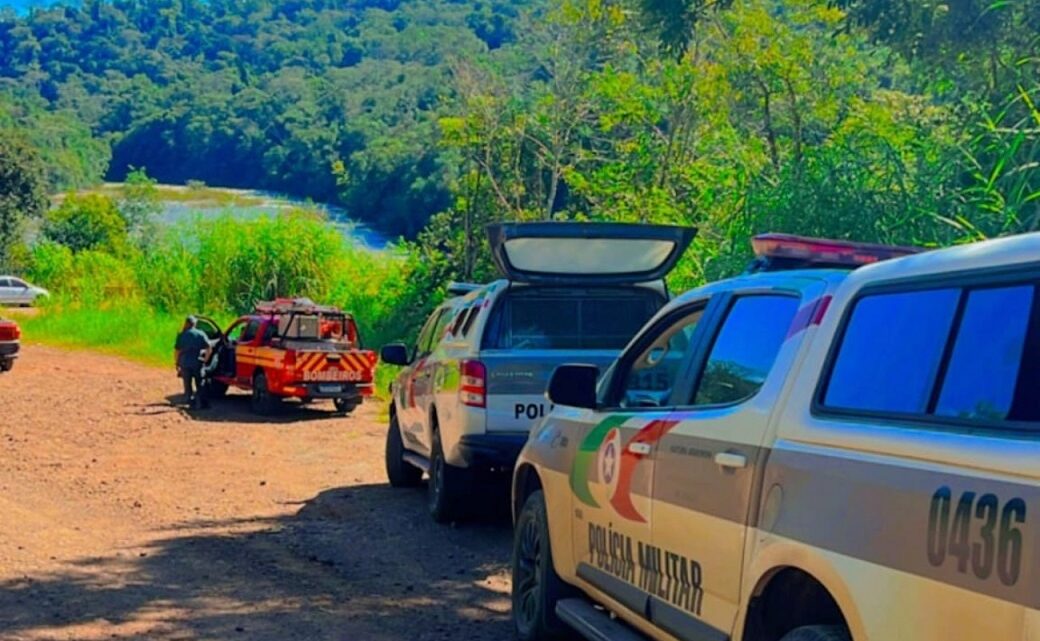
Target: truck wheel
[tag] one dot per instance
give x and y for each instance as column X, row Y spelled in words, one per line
column 445, row 487
column 6, row 365
column 263, row 402
column 536, row 586
column 399, row 472
column 818, row 633
column 345, row 405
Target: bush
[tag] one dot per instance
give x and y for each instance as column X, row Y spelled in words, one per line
column 90, row 221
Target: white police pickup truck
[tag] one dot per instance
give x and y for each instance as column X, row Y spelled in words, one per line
column 474, row 382
column 836, row 455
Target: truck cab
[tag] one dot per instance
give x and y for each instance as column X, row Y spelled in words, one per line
column 834, row 454
column 472, row 385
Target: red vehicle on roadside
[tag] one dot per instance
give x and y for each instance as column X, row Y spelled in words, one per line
column 290, row 348
column 10, row 343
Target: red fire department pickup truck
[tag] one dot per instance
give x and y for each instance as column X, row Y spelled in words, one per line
column 10, row 335
column 290, row 348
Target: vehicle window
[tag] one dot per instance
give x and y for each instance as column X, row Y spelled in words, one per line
column 442, row 326
column 422, row 345
column 987, row 354
column 472, row 316
column 570, row 319
column 889, row 358
column 18, row 283
column 4, row 282
column 249, row 333
column 653, row 374
column 745, row 348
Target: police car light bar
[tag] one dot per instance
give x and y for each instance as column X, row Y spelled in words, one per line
column 787, row 248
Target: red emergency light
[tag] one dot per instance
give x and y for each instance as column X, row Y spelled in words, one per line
column 803, row 251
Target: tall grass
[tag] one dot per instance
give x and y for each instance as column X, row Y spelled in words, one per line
column 133, row 303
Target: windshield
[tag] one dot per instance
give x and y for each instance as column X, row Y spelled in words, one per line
column 570, row 318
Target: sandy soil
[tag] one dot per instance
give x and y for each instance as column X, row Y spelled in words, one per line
column 125, row 517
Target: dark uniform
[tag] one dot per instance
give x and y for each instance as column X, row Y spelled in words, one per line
column 191, row 345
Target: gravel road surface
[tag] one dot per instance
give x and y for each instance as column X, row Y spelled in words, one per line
column 124, row 517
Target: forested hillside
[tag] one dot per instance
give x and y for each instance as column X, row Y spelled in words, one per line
column 334, row 100
column 878, row 120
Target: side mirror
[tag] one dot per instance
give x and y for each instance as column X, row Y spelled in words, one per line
column 574, row 386
column 395, row 354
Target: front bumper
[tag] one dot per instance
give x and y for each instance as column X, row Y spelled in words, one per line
column 491, row 451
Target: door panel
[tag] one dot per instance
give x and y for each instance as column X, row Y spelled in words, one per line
column 708, row 464
column 610, row 482
column 612, row 475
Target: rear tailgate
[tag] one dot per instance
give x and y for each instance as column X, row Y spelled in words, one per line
column 516, row 382
column 334, row 366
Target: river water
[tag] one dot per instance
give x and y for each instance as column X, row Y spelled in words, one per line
column 265, row 204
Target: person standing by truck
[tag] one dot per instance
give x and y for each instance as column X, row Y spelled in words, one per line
column 192, row 350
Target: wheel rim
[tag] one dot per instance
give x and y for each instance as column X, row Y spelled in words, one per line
column 525, row 574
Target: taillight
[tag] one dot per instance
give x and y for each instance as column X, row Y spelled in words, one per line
column 9, row 332
column 473, row 388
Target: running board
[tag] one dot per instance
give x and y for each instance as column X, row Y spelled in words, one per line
column 592, row 623
column 420, row 462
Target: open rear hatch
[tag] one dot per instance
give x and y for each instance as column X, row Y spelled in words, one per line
column 587, row 253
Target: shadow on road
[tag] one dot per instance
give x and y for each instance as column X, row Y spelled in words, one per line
column 356, row 563
column 235, row 408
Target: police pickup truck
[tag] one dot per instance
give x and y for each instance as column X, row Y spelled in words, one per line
column 473, row 384
column 834, row 455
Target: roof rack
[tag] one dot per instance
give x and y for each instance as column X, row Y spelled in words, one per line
column 294, row 305
column 461, row 289
column 774, row 252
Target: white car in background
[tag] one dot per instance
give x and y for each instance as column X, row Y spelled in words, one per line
column 15, row 291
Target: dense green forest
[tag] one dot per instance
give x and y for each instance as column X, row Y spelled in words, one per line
column 879, row 120
column 333, row 100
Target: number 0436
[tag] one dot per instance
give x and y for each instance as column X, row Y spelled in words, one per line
column 978, row 532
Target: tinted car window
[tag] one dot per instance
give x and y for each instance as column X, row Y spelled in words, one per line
column 570, row 319
column 889, row 357
column 5, row 282
column 422, row 345
column 745, row 348
column 987, row 355
column 441, row 327
column 653, row 374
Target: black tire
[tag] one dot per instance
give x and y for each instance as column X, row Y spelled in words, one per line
column 536, row 586
column 263, row 402
column 6, row 364
column 399, row 472
column 345, row 405
column 446, row 487
column 818, row 633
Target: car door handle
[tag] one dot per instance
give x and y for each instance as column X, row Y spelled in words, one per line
column 640, row 448
column 731, row 460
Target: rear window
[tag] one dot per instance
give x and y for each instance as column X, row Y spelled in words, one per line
column 555, row 318
column 953, row 353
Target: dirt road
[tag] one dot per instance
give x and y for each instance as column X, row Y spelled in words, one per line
column 124, row 517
